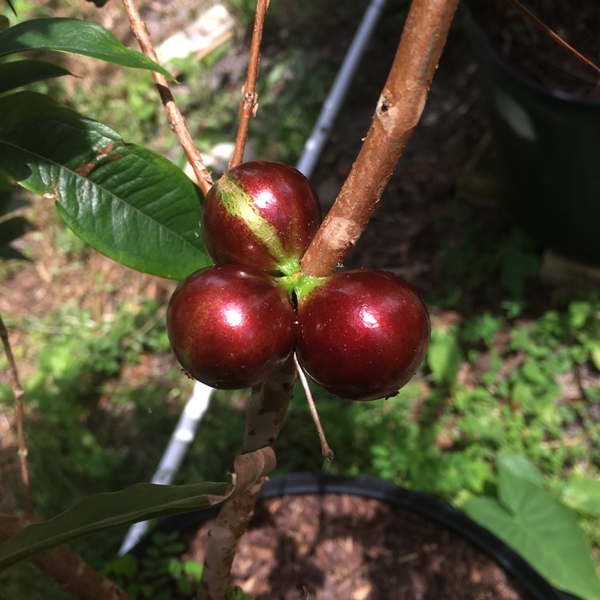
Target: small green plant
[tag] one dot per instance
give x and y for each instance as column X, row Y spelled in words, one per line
column 159, row 573
column 538, row 526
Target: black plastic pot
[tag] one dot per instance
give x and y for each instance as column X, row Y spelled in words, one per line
column 369, row 487
column 548, row 151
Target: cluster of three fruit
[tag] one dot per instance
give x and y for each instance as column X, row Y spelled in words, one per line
column 360, row 335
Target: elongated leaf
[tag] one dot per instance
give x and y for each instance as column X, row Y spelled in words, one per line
column 76, row 37
column 7, row 252
column 23, row 72
column 136, row 503
column 6, row 196
column 4, row 23
column 105, row 511
column 583, row 495
column 12, row 229
column 546, row 534
column 17, row 107
column 595, row 354
column 124, row 200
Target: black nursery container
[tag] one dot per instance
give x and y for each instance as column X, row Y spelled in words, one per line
column 548, row 151
column 370, row 487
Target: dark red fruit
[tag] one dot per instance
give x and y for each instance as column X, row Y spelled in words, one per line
column 231, row 327
column 261, row 214
column 362, row 334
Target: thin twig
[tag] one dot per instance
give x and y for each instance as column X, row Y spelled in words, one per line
column 176, row 120
column 19, row 395
column 396, row 116
column 543, row 27
column 326, row 450
column 248, row 105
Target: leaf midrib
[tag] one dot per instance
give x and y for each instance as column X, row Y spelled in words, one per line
column 81, row 177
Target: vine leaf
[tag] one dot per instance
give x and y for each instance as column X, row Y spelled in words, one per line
column 74, row 36
column 125, row 201
column 136, row 503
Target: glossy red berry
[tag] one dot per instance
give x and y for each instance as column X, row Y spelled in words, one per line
column 362, row 334
column 261, row 214
column 230, row 326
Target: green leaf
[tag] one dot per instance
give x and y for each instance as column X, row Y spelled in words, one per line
column 444, row 356
column 512, row 469
column 139, row 502
column 6, row 196
column 8, row 252
column 105, row 511
column 76, row 37
column 583, row 495
column 193, row 569
column 545, row 533
column 595, row 354
column 174, row 567
column 185, row 587
column 125, row 566
column 4, row 23
column 126, row 201
column 23, row 72
column 24, row 105
column 12, row 229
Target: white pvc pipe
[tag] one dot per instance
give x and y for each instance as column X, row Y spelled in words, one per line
column 316, row 141
column 173, row 456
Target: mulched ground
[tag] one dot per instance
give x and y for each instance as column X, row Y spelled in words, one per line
column 334, row 546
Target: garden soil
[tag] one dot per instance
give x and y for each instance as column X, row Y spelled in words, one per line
column 338, row 546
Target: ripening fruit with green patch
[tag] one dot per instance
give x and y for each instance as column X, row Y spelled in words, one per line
column 261, row 214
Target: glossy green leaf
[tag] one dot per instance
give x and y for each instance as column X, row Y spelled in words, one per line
column 583, row 495
column 136, row 503
column 23, row 72
column 105, row 511
column 595, row 354
column 12, row 229
column 444, row 356
column 126, row 201
column 6, row 196
column 76, row 37
column 8, row 252
column 23, row 105
column 543, row 531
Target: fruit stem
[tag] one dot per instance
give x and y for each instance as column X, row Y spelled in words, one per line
column 290, row 267
column 305, row 284
column 326, row 450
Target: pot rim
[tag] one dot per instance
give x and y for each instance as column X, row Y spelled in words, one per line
column 513, row 71
column 373, row 488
